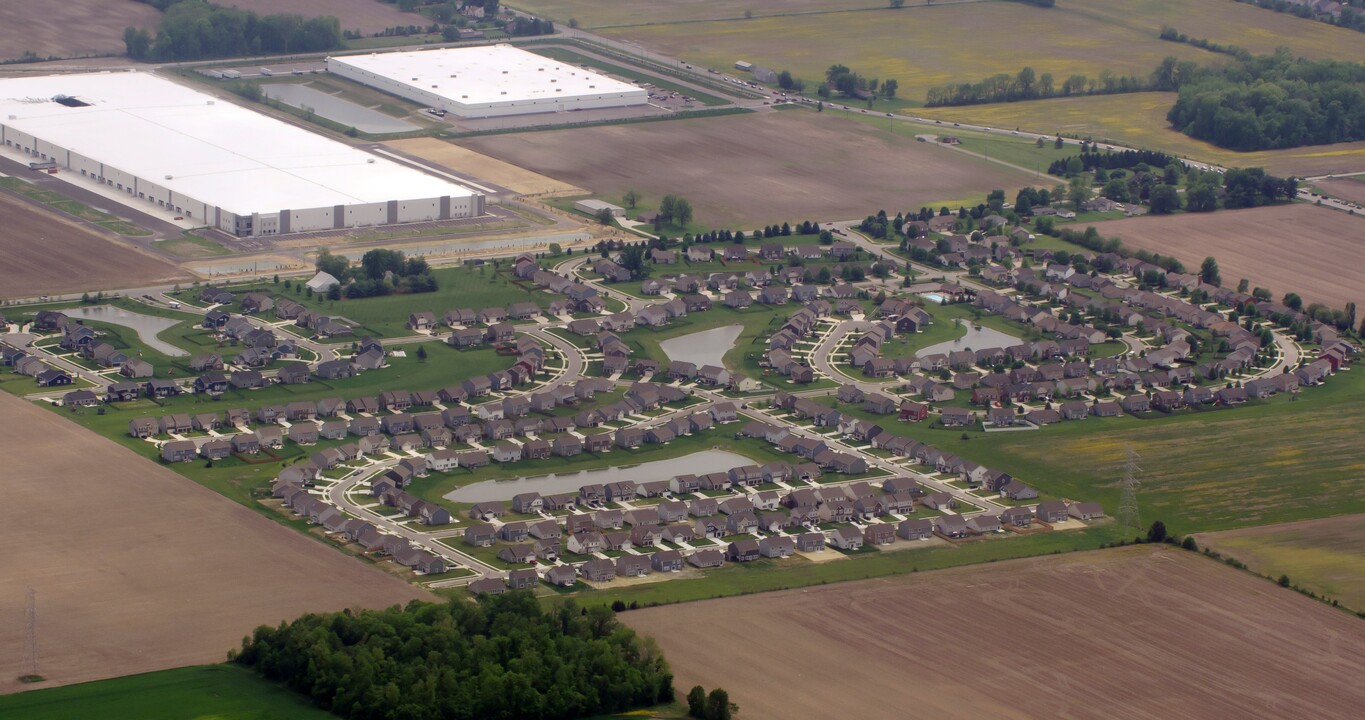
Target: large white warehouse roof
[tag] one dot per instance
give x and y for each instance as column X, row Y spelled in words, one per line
column 205, row 148
column 487, row 74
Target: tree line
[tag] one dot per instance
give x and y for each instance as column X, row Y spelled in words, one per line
column 503, row 658
column 194, row 29
column 1090, row 160
column 1273, row 101
column 1029, row 85
column 380, row 272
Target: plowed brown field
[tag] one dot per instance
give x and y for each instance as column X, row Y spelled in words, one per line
column 1315, row 252
column 1130, row 633
column 136, row 568
column 745, row 170
column 76, row 27
column 42, row 253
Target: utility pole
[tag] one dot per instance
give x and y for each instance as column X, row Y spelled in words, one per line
column 1128, row 505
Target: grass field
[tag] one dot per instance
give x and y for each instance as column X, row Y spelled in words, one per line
column 1126, row 633
column 1139, row 120
column 1325, row 556
column 190, row 245
column 1272, row 461
column 1313, row 251
column 922, row 46
column 223, row 692
column 743, row 171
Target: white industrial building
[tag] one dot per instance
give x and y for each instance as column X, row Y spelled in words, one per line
column 489, row 81
column 182, row 151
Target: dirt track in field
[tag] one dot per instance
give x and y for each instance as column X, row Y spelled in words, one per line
column 1316, row 252
column 746, row 170
column 42, row 253
column 363, row 15
column 70, row 27
column 483, row 167
column 1129, row 633
column 139, row 569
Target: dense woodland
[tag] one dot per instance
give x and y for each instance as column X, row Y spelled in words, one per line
column 1273, row 101
column 195, row 29
column 503, row 658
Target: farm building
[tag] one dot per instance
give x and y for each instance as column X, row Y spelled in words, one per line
column 592, row 207
column 173, row 149
column 490, row 81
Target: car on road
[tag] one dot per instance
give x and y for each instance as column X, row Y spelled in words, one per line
column 890, row 115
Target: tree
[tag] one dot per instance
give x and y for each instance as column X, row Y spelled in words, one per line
column 1201, row 198
column 682, row 212
column 1208, row 272
column 1293, row 301
column 1116, row 189
column 1164, row 200
column 630, row 199
column 605, row 216
column 1157, row 532
column 889, row 88
column 422, row 352
column 718, row 705
column 137, row 43
column 556, row 250
column 334, row 265
column 696, row 702
column 1242, row 285
column 666, row 207
column 1078, row 191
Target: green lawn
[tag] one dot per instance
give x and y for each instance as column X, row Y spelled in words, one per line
column 459, row 287
column 764, row 576
column 220, row 692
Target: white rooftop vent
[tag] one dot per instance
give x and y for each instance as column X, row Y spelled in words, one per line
column 210, row 102
column 168, row 177
column 369, row 161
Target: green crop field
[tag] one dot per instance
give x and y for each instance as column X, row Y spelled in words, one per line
column 1139, row 120
column 220, row 692
column 1271, row 461
column 921, row 47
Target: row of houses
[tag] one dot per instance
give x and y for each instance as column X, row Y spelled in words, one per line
column 24, row 363
column 365, row 534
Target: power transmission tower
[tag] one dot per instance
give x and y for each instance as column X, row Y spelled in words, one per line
column 1128, row 504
